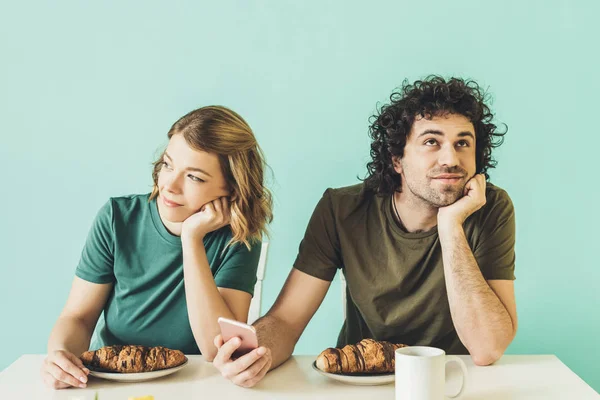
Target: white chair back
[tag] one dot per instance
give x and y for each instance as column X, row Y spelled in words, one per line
column 254, row 312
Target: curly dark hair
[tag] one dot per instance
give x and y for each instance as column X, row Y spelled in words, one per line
column 432, row 96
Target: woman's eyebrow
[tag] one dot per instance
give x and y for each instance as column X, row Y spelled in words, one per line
column 190, row 168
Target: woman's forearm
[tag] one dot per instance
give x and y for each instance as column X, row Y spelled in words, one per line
column 70, row 334
column 204, row 302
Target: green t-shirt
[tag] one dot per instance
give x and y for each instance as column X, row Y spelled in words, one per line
column 395, row 279
column 129, row 246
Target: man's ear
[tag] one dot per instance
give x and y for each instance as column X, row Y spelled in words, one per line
column 397, row 164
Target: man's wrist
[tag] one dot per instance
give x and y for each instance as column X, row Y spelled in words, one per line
column 449, row 228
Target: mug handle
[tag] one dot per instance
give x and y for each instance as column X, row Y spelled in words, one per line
column 464, row 373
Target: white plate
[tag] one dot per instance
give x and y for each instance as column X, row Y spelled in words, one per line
column 138, row 376
column 363, row 380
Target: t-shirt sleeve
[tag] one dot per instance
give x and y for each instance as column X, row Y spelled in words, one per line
column 319, row 253
column 238, row 267
column 495, row 251
column 97, row 258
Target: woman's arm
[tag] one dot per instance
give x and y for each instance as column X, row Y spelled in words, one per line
column 205, row 302
column 72, row 333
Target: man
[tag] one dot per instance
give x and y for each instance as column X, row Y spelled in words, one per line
column 426, row 246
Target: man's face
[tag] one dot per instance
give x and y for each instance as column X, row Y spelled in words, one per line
column 439, row 159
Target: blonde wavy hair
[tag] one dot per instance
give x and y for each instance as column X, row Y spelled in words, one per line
column 219, row 130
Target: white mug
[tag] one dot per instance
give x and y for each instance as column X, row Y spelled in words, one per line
column 421, row 373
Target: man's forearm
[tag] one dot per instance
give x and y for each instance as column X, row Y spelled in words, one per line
column 274, row 334
column 482, row 322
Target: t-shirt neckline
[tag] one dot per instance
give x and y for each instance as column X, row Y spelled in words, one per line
column 396, row 226
column 159, row 226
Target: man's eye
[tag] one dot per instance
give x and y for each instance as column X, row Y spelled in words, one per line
column 195, row 178
column 463, row 143
column 430, row 142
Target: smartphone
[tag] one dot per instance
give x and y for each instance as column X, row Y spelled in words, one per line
column 231, row 328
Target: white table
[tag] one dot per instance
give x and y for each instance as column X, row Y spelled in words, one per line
column 512, row 377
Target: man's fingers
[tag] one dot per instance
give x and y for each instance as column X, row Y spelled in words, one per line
column 226, row 351
column 62, row 376
column 261, row 374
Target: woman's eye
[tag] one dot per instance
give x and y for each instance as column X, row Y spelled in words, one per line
column 463, row 143
column 166, row 165
column 195, row 178
column 431, row 142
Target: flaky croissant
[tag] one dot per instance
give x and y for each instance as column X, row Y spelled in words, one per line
column 367, row 356
column 129, row 358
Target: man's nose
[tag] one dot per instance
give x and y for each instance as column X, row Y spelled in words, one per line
column 448, row 156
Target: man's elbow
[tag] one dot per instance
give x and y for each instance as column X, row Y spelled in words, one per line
column 486, row 358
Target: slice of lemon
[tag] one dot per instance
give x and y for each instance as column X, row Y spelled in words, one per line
column 142, row 398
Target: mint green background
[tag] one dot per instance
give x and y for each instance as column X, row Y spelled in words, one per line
column 88, row 92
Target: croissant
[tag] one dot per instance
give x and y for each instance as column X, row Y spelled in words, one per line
column 130, row 359
column 367, row 356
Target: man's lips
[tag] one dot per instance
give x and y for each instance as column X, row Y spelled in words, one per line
column 169, row 203
column 448, row 178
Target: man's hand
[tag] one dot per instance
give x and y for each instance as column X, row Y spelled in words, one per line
column 474, row 198
column 212, row 216
column 245, row 371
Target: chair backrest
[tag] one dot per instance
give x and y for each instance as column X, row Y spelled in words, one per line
column 254, row 312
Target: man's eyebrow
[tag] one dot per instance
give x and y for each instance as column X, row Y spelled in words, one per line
column 190, row 168
column 466, row 134
column 440, row 133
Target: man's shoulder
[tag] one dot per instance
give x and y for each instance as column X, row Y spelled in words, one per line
column 498, row 207
column 346, row 192
column 495, row 196
column 348, row 197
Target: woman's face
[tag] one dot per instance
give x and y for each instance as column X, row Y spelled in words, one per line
column 188, row 180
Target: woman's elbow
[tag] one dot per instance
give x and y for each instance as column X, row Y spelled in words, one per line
column 209, row 355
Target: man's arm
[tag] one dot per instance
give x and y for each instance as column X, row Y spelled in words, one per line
column 484, row 313
column 278, row 331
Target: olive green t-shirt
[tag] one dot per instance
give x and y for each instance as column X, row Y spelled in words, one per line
column 395, row 279
column 129, row 246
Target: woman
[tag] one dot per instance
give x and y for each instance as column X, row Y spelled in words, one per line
column 164, row 266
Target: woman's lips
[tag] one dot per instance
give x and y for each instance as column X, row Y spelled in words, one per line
column 169, row 203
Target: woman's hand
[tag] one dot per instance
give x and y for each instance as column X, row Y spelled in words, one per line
column 212, row 216
column 62, row 369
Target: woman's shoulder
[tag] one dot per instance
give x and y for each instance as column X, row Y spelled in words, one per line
column 127, row 207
